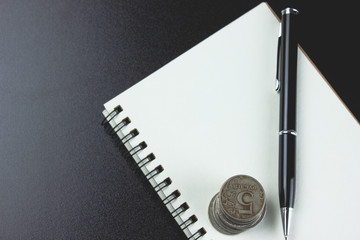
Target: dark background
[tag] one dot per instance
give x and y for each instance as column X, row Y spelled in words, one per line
column 61, row 176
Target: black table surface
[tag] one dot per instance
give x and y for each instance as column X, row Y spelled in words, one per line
column 61, row 176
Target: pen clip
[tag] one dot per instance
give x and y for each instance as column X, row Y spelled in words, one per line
column 277, row 80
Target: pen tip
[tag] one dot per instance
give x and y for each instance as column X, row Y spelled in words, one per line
column 286, row 238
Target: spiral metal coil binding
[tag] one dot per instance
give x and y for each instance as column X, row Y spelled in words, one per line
column 151, row 174
column 201, row 232
column 149, row 158
column 120, row 126
column 182, row 208
column 163, row 184
column 137, row 148
column 111, row 115
column 171, row 197
column 133, row 133
column 188, row 222
column 154, row 172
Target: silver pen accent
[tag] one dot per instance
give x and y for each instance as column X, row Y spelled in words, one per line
column 286, row 216
column 293, row 132
column 289, row 11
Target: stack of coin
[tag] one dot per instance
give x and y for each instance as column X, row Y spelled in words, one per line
column 238, row 206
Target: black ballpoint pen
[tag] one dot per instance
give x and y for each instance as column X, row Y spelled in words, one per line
column 287, row 71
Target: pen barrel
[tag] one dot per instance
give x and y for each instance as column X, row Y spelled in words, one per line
column 287, row 133
column 288, row 72
column 287, row 168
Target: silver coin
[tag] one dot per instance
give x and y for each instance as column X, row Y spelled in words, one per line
column 238, row 206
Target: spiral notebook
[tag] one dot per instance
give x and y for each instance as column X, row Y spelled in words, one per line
column 212, row 113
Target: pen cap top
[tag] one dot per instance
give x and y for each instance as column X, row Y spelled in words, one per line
column 289, row 11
